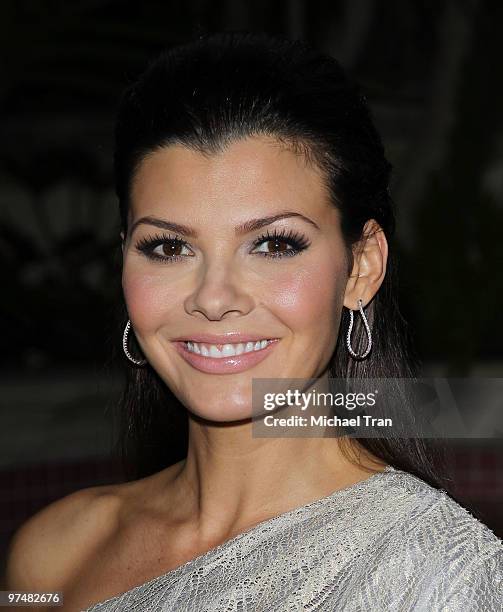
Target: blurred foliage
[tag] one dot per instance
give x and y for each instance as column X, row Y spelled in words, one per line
column 458, row 270
column 51, row 313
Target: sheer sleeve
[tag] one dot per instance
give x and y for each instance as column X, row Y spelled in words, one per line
column 477, row 588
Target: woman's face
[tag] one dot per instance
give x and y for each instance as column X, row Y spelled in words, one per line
column 232, row 278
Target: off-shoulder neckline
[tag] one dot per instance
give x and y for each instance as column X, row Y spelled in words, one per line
column 257, row 527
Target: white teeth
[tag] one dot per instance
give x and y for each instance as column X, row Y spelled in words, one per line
column 214, row 352
column 228, row 350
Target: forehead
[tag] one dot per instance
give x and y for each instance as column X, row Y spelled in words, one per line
column 258, row 172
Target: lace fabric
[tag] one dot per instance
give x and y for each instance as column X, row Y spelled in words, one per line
column 388, row 543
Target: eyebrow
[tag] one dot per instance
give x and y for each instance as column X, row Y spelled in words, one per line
column 244, row 228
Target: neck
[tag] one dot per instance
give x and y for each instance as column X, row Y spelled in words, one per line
column 232, row 480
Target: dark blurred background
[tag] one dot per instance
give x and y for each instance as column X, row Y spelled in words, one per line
column 432, row 74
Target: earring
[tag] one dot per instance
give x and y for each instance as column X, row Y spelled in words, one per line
column 367, row 328
column 138, row 362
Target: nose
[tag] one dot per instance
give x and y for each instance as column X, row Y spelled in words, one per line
column 219, row 290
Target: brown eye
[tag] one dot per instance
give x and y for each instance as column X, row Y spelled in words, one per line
column 171, row 249
column 280, row 244
column 164, row 248
column 277, row 245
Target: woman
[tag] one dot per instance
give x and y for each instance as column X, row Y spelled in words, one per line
column 256, row 226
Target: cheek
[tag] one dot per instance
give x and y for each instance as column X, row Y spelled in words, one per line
column 309, row 297
column 149, row 298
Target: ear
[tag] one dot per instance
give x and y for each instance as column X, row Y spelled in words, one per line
column 122, row 241
column 369, row 267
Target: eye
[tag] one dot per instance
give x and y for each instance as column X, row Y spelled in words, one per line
column 163, row 247
column 282, row 243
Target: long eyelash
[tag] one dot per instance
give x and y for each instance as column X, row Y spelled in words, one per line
column 147, row 245
column 298, row 241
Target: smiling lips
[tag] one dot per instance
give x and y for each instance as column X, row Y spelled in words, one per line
column 225, row 358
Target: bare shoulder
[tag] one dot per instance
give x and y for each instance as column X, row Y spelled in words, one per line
column 50, row 546
column 74, row 545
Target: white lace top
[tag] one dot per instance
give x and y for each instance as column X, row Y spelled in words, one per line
column 388, row 543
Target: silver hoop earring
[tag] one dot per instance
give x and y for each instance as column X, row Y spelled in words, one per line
column 138, row 362
column 367, row 328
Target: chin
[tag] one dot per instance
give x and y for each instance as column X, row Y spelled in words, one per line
column 229, row 414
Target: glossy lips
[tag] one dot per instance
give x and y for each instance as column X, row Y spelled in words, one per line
column 224, row 365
